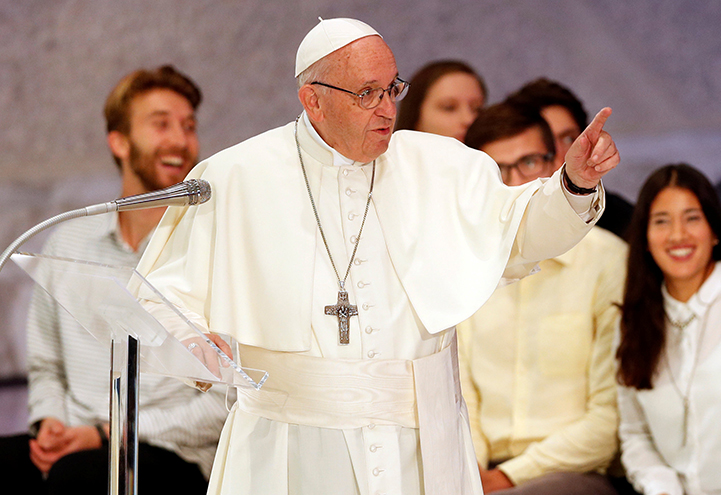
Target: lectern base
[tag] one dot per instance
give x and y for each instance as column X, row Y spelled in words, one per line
column 123, row 451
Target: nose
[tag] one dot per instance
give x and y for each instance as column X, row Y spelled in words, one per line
column 514, row 178
column 468, row 115
column 386, row 108
column 177, row 135
column 678, row 230
column 562, row 148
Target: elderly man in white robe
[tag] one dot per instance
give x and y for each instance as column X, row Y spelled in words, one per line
column 340, row 256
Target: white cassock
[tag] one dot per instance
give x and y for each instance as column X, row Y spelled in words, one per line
column 383, row 414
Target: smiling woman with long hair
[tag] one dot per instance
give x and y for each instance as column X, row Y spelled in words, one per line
column 669, row 354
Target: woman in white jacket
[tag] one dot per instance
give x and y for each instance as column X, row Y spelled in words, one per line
column 669, row 353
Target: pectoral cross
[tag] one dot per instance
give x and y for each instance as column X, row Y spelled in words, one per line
column 343, row 310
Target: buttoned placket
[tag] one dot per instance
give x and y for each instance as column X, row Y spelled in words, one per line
column 382, row 473
column 379, row 454
column 354, row 185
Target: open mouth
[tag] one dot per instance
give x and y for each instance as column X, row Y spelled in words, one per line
column 173, row 161
column 681, row 252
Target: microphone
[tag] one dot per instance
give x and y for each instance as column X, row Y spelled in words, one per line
column 191, row 192
column 188, row 193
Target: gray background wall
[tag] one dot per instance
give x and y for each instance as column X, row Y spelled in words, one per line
column 656, row 62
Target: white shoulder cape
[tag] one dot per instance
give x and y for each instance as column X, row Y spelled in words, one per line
column 243, row 261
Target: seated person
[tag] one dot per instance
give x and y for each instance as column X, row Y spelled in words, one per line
column 536, row 360
column 670, row 335
column 566, row 116
column 444, row 98
column 151, row 132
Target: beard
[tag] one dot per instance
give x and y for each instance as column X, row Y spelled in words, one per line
column 143, row 165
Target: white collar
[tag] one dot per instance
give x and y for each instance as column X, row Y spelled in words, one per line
column 711, row 288
column 338, row 159
column 699, row 302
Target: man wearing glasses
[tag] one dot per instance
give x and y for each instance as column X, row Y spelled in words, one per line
column 340, row 256
column 537, row 363
column 566, row 117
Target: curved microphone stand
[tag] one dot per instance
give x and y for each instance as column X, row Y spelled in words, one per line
column 125, row 364
column 191, row 192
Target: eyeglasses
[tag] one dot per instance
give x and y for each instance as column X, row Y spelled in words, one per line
column 530, row 166
column 371, row 98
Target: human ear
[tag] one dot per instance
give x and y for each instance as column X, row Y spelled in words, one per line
column 311, row 103
column 119, row 145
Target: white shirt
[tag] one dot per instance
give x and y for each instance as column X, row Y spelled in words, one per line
column 651, row 427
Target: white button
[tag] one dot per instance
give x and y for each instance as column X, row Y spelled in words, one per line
column 373, row 448
column 371, row 426
column 362, row 284
column 349, row 191
column 367, row 306
column 353, row 239
column 346, row 172
column 371, row 354
column 369, row 330
column 351, row 216
column 377, row 471
column 358, row 261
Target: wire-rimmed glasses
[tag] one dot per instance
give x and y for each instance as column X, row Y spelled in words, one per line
column 371, row 98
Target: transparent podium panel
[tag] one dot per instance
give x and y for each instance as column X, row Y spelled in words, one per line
column 96, row 295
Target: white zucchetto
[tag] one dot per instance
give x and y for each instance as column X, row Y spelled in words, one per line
column 328, row 36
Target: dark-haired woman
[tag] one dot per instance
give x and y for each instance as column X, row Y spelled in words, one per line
column 444, row 98
column 670, row 346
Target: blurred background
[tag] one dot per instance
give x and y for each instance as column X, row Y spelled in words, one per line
column 657, row 63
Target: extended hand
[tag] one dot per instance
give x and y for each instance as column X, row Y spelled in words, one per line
column 592, row 154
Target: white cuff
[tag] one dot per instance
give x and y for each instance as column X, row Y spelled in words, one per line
column 587, row 206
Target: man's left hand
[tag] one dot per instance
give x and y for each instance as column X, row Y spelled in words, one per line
column 592, row 154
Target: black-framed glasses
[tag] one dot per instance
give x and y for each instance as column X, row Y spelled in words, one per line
column 371, row 98
column 530, row 166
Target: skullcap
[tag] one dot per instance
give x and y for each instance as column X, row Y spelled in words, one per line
column 328, row 36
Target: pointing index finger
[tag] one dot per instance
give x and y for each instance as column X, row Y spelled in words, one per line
column 596, row 126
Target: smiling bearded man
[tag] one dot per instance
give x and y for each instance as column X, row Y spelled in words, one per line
column 151, row 133
column 340, row 256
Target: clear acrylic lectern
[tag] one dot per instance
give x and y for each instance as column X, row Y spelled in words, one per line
column 96, row 295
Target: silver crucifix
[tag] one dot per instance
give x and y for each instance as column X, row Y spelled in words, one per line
column 343, row 310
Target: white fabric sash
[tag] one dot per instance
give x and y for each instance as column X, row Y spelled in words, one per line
column 341, row 393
